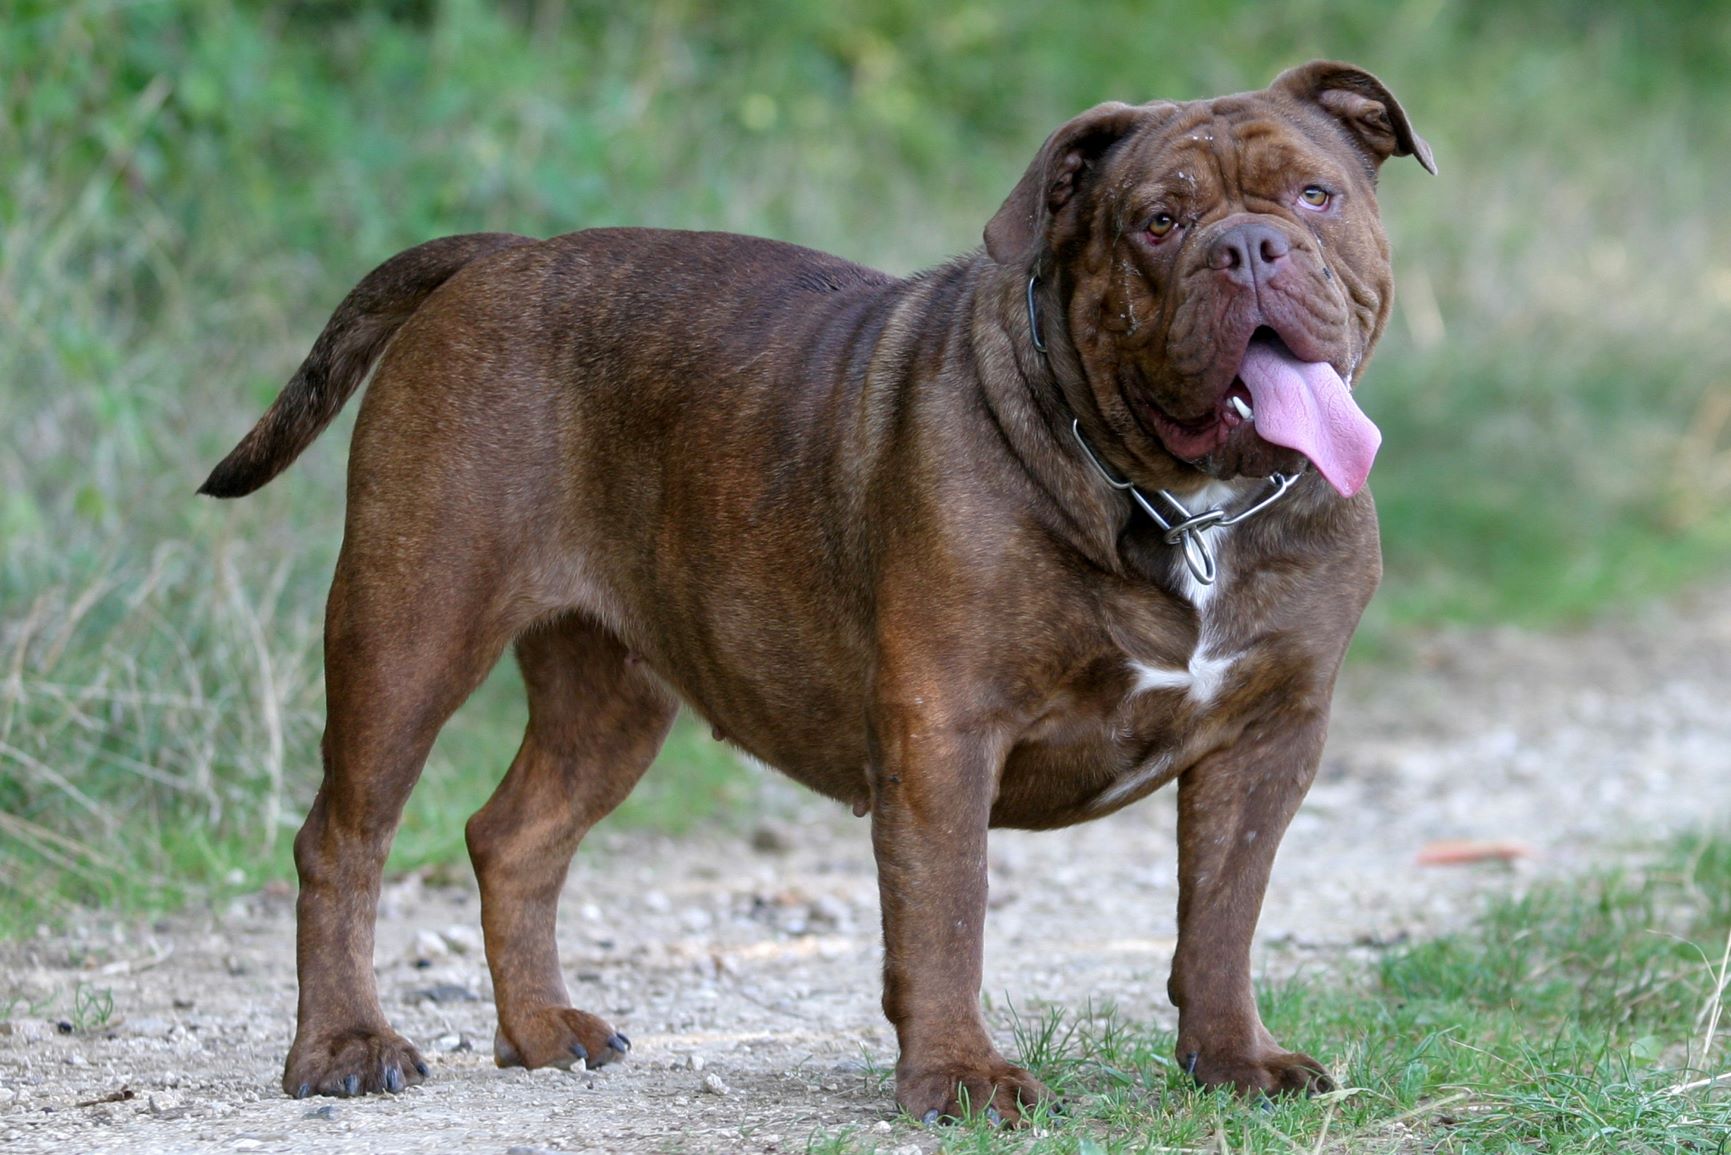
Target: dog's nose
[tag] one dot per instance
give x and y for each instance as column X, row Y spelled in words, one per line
column 1249, row 252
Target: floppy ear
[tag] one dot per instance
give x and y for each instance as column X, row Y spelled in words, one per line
column 1015, row 233
column 1362, row 105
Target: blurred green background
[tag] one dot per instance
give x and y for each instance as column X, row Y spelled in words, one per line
column 190, row 187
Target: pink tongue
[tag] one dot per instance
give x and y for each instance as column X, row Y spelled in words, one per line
column 1307, row 407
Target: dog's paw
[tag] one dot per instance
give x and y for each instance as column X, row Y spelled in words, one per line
column 956, row 1092
column 352, row 1062
column 1273, row 1072
column 558, row 1037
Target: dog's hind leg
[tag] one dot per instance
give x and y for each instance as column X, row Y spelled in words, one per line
column 407, row 638
column 596, row 720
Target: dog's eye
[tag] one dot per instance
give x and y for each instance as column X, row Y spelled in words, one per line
column 1162, row 224
column 1315, row 196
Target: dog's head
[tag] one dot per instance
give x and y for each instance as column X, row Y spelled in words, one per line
column 1223, row 271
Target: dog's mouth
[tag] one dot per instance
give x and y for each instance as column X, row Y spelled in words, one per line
column 1301, row 405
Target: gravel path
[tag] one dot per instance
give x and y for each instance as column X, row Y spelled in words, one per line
column 744, row 964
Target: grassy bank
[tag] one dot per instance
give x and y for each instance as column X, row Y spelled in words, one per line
column 191, row 187
column 1583, row 1018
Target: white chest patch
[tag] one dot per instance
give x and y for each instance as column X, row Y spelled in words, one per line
column 1193, row 591
column 1201, row 680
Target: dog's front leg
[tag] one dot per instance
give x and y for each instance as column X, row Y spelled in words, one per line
column 1233, row 808
column 932, row 800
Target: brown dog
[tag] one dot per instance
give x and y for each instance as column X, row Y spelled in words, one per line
column 901, row 539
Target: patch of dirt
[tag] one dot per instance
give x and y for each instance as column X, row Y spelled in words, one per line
column 744, row 966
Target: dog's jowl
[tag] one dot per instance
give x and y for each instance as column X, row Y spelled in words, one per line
column 1011, row 543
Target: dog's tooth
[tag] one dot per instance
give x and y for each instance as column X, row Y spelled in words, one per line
column 1244, row 410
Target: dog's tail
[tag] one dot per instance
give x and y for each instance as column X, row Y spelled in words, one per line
column 353, row 339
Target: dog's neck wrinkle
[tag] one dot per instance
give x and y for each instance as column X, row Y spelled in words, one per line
column 1027, row 402
column 1109, row 529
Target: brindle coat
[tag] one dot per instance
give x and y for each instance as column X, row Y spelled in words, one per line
column 842, row 516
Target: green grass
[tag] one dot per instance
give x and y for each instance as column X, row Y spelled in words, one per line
column 191, row 185
column 1579, row 1019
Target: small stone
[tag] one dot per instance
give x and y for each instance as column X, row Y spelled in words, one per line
column 656, row 902
column 589, row 912
column 7, row 1094
column 328, row 1113
column 828, row 910
column 443, row 993
column 882, row 1127
column 248, row 1144
column 161, row 1102
column 769, row 838
column 77, row 1060
column 694, row 1062
column 712, row 1085
column 429, row 946
column 549, row 1073
column 464, row 940
column 236, row 966
column 452, row 1043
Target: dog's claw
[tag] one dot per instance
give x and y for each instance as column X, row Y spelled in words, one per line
column 304, row 1091
column 930, row 1118
column 1190, row 1063
column 619, row 1042
column 580, row 1051
column 994, row 1116
column 393, row 1079
column 352, row 1086
column 421, row 1068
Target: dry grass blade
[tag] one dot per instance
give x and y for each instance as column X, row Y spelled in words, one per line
column 1427, row 1108
column 56, row 779
column 1699, row 1084
column 1322, row 1134
column 1715, row 1005
column 1710, row 1013
column 270, row 705
column 69, row 854
column 1701, row 472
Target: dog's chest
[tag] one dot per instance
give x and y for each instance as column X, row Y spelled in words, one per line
column 1169, row 697
column 1169, row 682
column 1158, row 717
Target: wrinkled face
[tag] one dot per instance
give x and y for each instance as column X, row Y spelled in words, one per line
column 1224, row 273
